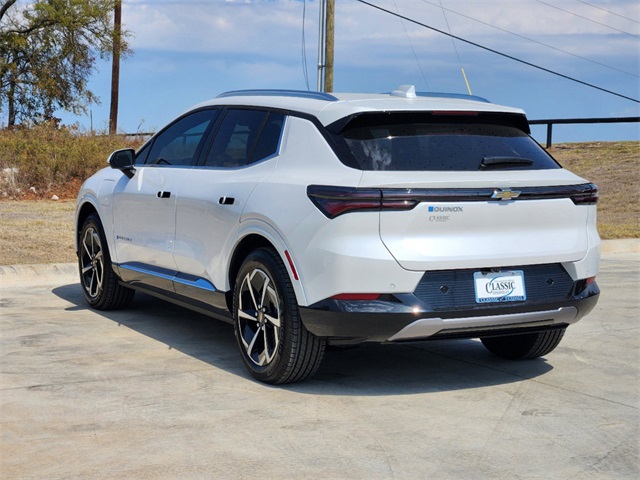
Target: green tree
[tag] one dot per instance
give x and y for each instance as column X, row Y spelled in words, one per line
column 48, row 51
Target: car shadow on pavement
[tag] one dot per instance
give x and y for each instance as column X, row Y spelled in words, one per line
column 369, row 369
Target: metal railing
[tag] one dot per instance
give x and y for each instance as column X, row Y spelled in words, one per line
column 558, row 121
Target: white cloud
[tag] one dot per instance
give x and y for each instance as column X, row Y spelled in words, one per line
column 215, row 27
column 273, row 29
column 189, row 50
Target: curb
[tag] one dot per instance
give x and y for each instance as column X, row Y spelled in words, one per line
column 625, row 245
column 42, row 273
column 33, row 275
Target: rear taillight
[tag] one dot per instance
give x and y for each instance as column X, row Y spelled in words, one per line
column 588, row 195
column 334, row 201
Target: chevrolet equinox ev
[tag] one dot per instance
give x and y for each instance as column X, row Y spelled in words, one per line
column 309, row 219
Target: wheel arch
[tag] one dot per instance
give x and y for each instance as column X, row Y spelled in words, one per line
column 82, row 213
column 244, row 247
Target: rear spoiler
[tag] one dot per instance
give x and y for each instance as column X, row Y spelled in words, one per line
column 362, row 119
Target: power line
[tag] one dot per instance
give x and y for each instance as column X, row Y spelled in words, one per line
column 499, row 53
column 586, row 18
column 415, row 55
column 608, row 11
column 453, row 42
column 529, row 39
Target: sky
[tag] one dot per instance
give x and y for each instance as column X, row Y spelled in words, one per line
column 188, row 51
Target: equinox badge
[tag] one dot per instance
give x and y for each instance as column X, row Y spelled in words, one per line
column 506, row 194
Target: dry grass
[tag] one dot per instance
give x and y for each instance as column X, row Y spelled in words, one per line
column 37, row 231
column 45, row 160
column 615, row 168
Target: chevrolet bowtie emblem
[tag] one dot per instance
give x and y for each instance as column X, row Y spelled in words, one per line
column 506, row 194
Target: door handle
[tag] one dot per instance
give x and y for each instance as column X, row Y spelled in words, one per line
column 162, row 194
column 226, row 200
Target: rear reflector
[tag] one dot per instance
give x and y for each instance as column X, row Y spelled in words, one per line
column 291, row 265
column 590, row 280
column 357, row 296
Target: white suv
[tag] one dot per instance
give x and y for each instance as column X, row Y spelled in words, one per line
column 309, row 219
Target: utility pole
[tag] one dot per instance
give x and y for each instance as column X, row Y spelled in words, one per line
column 115, row 67
column 321, row 31
column 325, row 45
column 328, row 74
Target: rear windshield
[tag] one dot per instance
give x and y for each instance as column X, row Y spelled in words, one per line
column 462, row 145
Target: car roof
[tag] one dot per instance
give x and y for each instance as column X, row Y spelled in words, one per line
column 330, row 107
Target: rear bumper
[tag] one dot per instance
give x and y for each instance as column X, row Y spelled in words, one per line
column 404, row 317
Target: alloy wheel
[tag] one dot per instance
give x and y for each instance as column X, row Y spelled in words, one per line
column 259, row 317
column 92, row 263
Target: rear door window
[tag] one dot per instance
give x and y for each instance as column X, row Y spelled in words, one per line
column 244, row 137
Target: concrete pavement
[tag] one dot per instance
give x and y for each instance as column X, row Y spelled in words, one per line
column 158, row 392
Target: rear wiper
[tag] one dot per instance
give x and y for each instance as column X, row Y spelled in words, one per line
column 498, row 162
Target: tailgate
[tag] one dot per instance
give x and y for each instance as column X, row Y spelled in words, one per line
column 487, row 226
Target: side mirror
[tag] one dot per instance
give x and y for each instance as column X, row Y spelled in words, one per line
column 123, row 160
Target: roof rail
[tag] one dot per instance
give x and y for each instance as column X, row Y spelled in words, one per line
column 280, row 93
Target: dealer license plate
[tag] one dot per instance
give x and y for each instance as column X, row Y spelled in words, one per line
column 499, row 286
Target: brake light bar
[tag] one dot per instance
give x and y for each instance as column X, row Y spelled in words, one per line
column 334, row 201
column 460, row 113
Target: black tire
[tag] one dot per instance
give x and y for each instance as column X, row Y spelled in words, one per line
column 524, row 346
column 275, row 346
column 99, row 282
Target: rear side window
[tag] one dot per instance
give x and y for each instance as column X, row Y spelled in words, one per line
column 269, row 139
column 462, row 145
